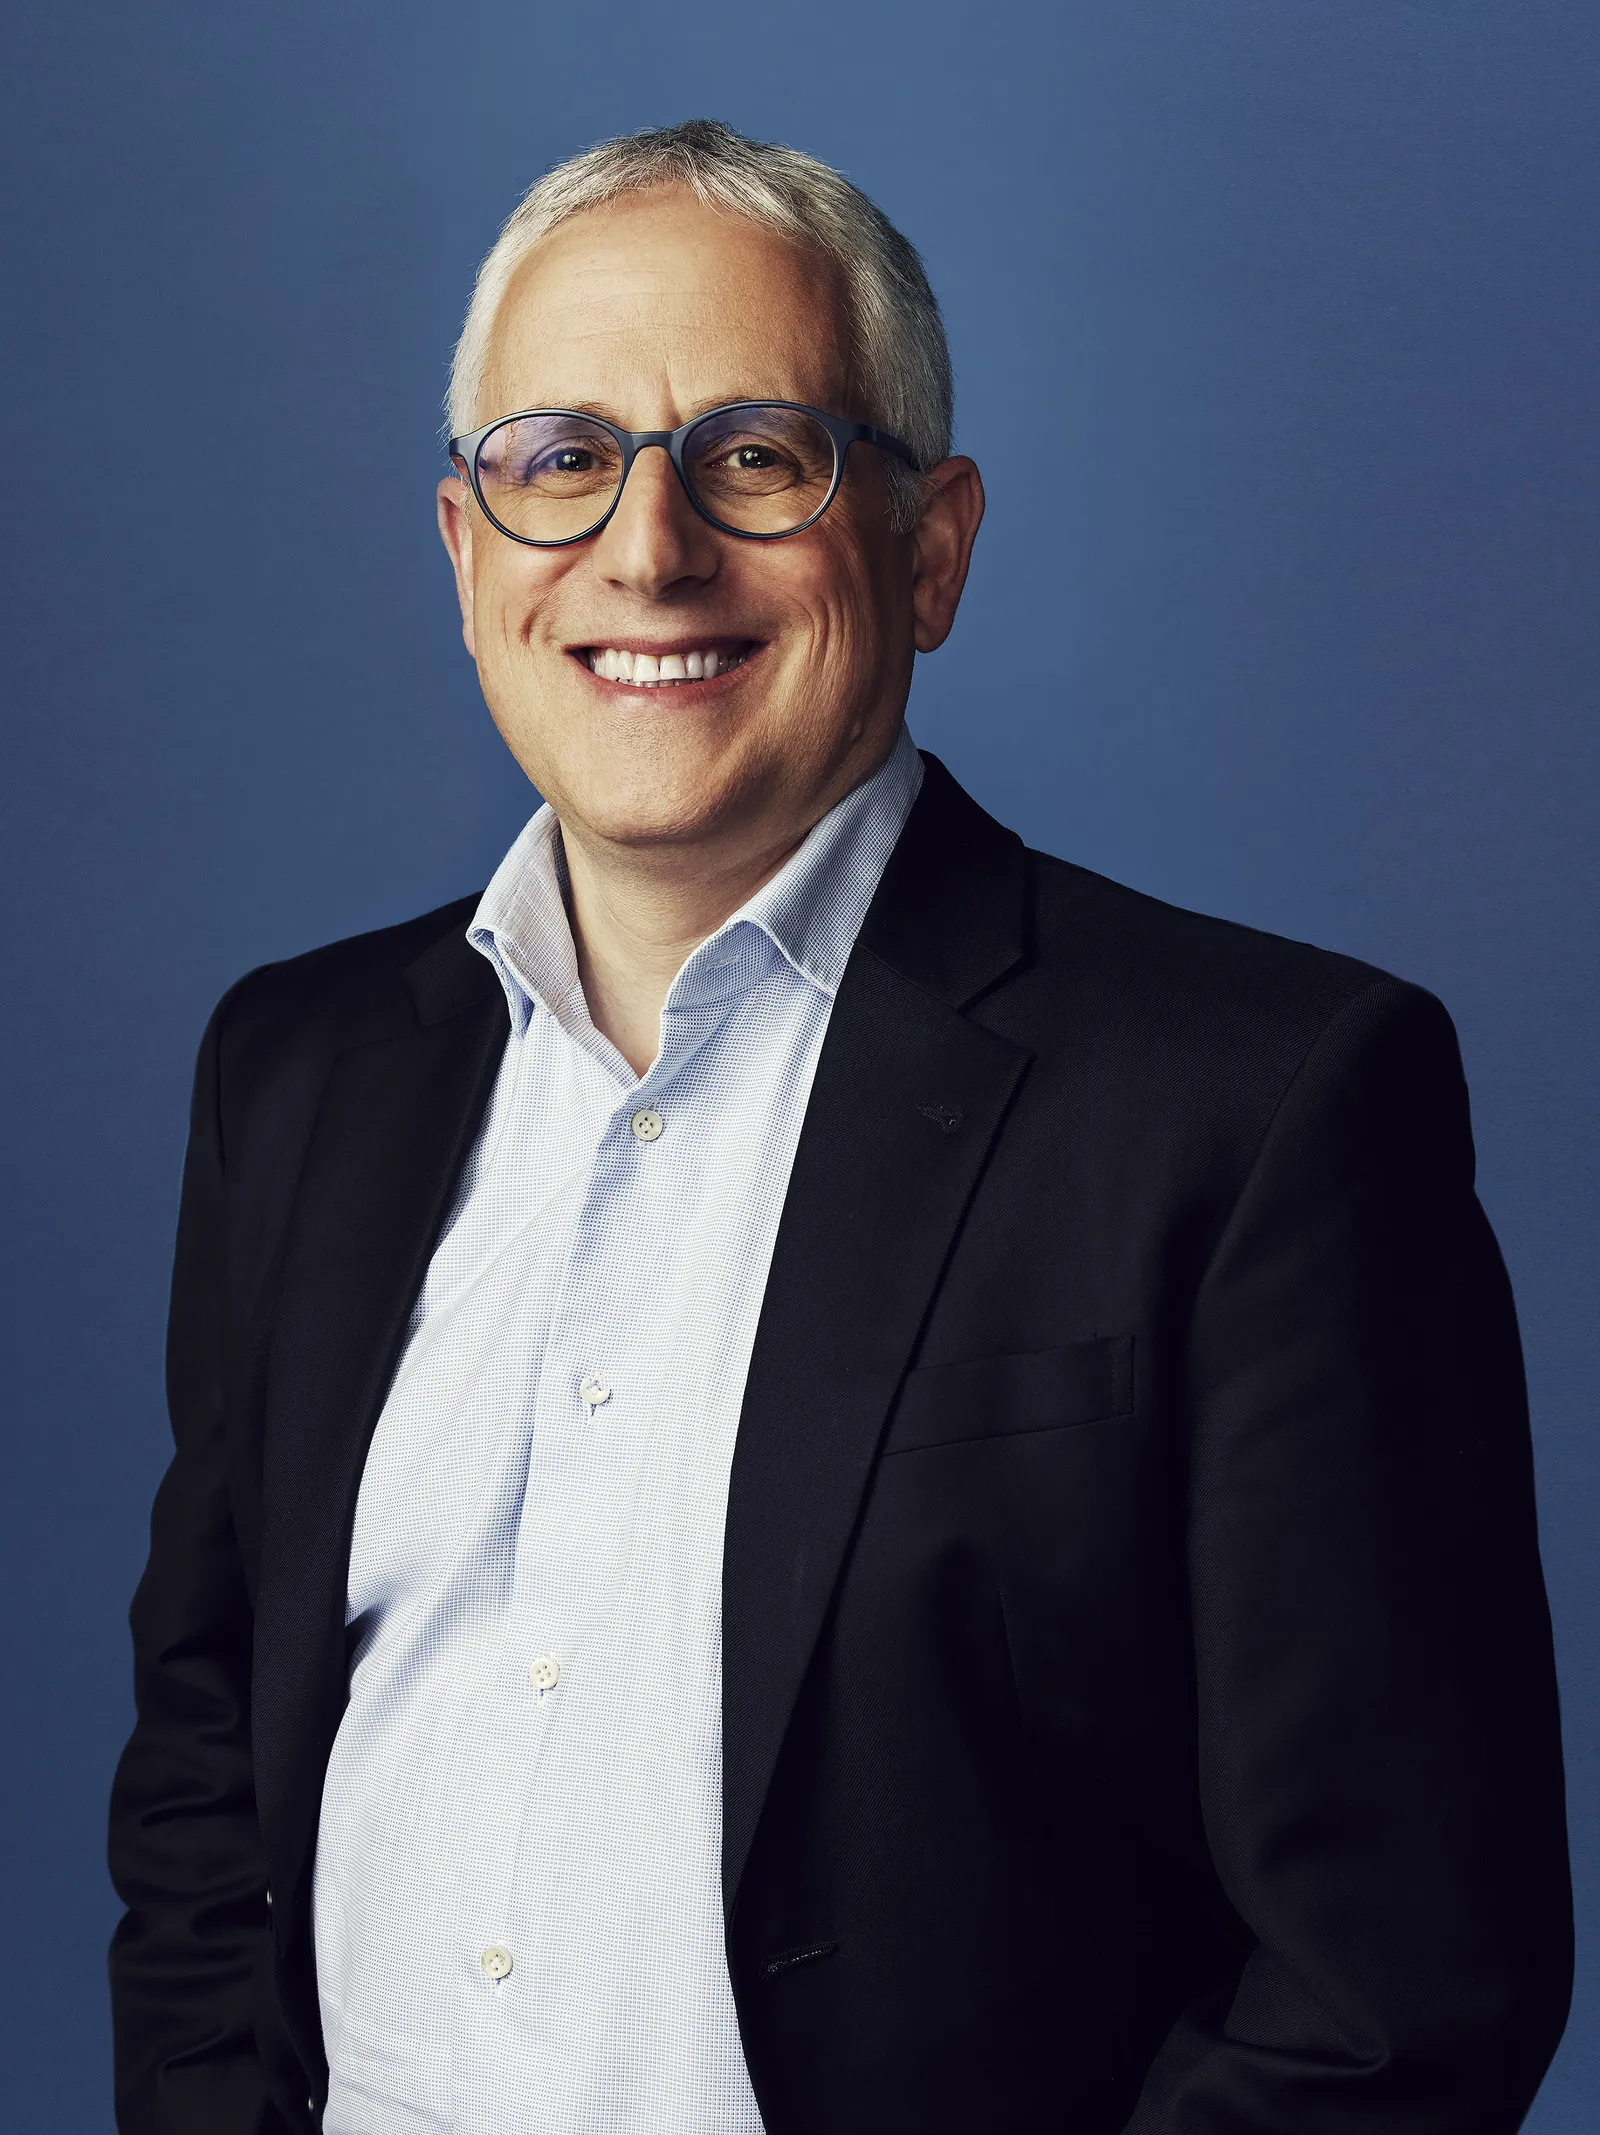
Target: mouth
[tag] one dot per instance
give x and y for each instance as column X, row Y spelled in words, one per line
column 639, row 665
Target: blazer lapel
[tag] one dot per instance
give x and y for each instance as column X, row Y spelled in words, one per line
column 908, row 1097
column 395, row 1123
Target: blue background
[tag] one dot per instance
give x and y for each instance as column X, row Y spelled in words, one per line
column 1275, row 333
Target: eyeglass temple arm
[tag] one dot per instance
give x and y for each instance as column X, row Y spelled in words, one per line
column 886, row 443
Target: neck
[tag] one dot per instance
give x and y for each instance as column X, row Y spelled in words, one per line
column 636, row 916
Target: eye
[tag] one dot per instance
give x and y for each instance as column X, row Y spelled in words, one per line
column 559, row 460
column 549, row 454
column 754, row 459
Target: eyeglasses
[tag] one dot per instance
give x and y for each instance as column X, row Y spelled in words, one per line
column 760, row 469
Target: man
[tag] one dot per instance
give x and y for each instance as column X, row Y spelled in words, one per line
column 830, row 1476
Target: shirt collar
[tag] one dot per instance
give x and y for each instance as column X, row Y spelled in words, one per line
column 811, row 911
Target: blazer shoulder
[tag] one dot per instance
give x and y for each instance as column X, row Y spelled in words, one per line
column 343, row 994
column 1216, row 991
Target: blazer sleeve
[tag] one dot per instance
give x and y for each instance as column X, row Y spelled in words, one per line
column 185, row 1848
column 1380, row 1761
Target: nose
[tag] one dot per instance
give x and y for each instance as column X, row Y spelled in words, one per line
column 655, row 544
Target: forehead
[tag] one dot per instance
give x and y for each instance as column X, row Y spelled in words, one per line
column 657, row 305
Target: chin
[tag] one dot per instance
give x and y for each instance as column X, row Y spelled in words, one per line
column 645, row 794
column 631, row 812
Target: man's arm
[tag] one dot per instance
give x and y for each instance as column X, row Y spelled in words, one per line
column 1379, row 1755
column 186, row 1852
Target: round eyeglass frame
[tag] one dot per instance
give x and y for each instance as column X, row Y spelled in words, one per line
column 466, row 449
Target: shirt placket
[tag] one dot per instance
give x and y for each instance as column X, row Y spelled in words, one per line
column 587, row 1441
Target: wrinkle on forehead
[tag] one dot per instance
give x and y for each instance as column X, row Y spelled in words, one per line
column 655, row 307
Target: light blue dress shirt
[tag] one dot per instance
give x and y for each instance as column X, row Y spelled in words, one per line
column 518, row 1897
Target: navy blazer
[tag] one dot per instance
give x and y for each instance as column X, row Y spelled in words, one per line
column 1138, row 1701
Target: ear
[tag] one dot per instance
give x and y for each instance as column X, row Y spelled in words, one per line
column 455, row 531
column 942, row 541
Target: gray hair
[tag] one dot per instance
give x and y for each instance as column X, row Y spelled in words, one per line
column 900, row 360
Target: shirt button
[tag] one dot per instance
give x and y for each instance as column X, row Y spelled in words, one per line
column 646, row 1126
column 543, row 1675
column 595, row 1392
column 496, row 1962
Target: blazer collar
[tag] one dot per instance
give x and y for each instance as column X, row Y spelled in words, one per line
column 449, row 977
column 950, row 911
column 909, row 1096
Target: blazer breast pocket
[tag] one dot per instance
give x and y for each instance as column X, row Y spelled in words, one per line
column 1010, row 1396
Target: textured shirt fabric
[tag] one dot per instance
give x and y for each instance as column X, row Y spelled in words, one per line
column 518, row 1893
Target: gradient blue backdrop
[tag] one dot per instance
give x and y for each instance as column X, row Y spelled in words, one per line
column 1275, row 332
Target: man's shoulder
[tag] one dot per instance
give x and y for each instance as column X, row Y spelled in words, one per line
column 1144, row 976
column 1087, row 918
column 346, row 992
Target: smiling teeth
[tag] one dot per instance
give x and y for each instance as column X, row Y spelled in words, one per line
column 650, row 671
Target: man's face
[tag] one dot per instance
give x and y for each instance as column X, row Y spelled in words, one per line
column 649, row 311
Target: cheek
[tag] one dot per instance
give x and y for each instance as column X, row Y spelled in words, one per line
column 832, row 588
column 511, row 589
column 855, row 632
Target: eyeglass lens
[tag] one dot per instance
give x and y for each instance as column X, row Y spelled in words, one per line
column 757, row 470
